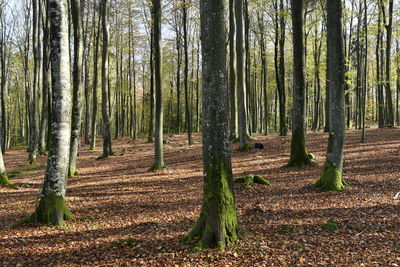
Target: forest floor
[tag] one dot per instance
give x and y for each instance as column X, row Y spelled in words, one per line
column 127, row 216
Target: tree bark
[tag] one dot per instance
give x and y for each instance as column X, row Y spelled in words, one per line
column 298, row 153
column 331, row 178
column 217, row 224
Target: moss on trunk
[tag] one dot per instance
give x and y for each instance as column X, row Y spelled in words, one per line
column 298, row 153
column 217, row 225
column 245, row 147
column 72, row 172
column 331, row 178
column 32, row 159
column 51, row 210
column 252, row 179
column 4, row 180
column 157, row 168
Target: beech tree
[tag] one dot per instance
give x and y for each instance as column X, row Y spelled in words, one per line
column 158, row 131
column 52, row 208
column 331, row 178
column 77, row 85
column 217, row 224
column 298, row 153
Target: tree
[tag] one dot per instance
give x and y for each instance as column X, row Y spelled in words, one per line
column 232, row 73
column 240, row 72
column 3, row 175
column 331, row 178
column 52, row 208
column 77, row 85
column 298, row 153
column 158, row 129
column 107, row 150
column 217, row 224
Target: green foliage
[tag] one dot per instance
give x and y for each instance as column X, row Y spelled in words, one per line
column 330, row 226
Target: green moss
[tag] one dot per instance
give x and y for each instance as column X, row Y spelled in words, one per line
column 311, row 156
column 331, row 178
column 298, row 152
column 246, row 147
column 31, row 160
column 252, row 179
column 51, row 210
column 5, row 181
column 233, row 137
column 217, row 225
column 330, row 226
column 32, row 170
column 92, row 148
column 157, row 168
column 72, row 172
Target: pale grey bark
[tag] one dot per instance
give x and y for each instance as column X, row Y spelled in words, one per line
column 240, row 67
column 232, row 72
column 57, row 164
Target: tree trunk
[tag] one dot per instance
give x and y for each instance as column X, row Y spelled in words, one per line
column 188, row 117
column 298, row 153
column 158, row 144
column 331, row 178
column 95, row 82
column 105, row 99
column 52, row 208
column 241, row 86
column 77, row 86
column 232, row 73
column 217, row 224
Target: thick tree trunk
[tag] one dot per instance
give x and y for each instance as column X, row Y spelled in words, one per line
column 331, row 178
column 298, row 153
column 158, row 144
column 217, row 224
column 52, row 208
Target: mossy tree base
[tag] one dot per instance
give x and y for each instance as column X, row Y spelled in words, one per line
column 51, row 210
column 72, row 172
column 31, row 160
column 331, row 179
column 217, row 225
column 246, row 147
column 157, row 168
column 92, row 148
column 252, row 179
column 298, row 151
column 4, row 181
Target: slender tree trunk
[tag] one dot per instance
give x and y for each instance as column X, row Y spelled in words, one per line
column 77, row 86
column 188, row 117
column 105, row 99
column 158, row 144
column 217, row 224
column 95, row 82
column 232, row 73
column 241, row 86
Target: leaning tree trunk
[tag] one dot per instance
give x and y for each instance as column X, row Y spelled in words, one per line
column 298, row 153
column 240, row 72
column 217, row 224
column 331, row 178
column 52, row 208
column 77, row 86
column 158, row 129
column 107, row 151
